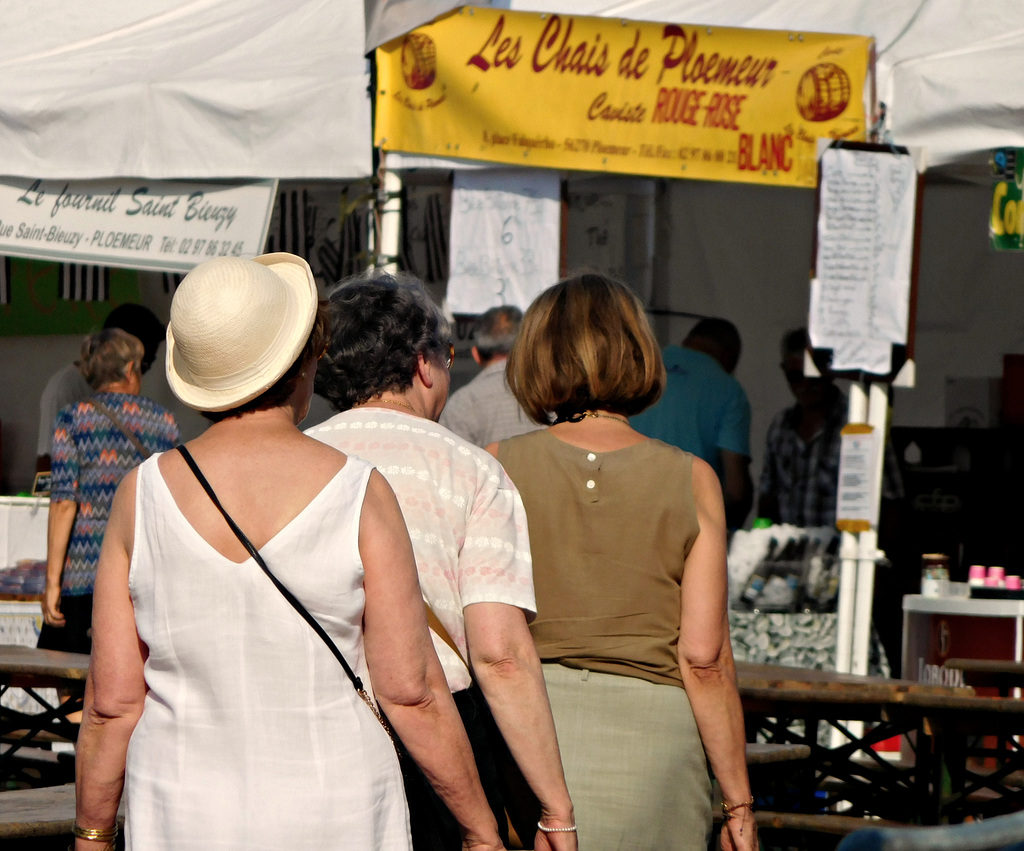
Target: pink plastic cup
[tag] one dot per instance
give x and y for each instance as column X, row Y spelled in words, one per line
column 1013, row 583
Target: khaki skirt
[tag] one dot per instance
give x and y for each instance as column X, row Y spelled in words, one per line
column 633, row 759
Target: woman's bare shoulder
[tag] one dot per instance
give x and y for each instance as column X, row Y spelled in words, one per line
column 703, row 472
column 321, row 452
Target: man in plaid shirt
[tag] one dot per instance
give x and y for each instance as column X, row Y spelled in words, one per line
column 800, row 473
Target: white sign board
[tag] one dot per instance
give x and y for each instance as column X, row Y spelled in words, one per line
column 165, row 225
column 860, row 297
column 505, row 236
column 857, row 499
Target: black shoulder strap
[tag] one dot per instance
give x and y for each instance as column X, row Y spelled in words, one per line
column 319, row 630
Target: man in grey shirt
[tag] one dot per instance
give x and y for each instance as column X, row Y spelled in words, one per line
column 485, row 411
column 67, row 384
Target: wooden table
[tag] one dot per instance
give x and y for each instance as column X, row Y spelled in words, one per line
column 754, row 679
column 977, row 760
column 1002, row 674
column 31, row 669
column 788, row 704
column 773, row 753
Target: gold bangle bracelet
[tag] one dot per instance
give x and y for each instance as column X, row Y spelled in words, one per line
column 99, row 834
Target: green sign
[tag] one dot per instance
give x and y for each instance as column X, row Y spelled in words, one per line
column 32, row 302
column 1006, row 225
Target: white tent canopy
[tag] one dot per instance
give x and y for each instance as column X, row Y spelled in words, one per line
column 231, row 88
column 946, row 69
column 184, row 89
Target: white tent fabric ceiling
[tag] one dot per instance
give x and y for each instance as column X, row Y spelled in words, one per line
column 234, row 89
column 184, row 89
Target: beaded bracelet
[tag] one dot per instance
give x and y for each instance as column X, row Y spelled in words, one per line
column 543, row 829
column 728, row 809
column 99, row 834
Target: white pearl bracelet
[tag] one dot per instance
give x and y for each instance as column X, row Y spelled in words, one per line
column 543, row 829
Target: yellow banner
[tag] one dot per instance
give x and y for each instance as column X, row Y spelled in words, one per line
column 606, row 94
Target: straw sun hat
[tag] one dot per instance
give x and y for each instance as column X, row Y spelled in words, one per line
column 236, row 327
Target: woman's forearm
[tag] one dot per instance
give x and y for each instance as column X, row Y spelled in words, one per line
column 718, row 712
column 706, row 662
column 59, row 522
column 407, row 677
column 509, row 673
column 432, row 732
column 100, row 757
column 518, row 700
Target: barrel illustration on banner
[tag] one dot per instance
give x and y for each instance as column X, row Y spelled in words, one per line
column 823, row 92
column 419, row 61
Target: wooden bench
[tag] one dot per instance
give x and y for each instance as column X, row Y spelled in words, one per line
column 834, row 824
column 44, row 737
column 50, row 811
column 36, row 670
column 32, row 766
column 818, row 831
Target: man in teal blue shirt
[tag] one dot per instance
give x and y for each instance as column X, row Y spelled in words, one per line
column 705, row 410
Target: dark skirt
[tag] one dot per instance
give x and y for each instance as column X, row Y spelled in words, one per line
column 433, row 827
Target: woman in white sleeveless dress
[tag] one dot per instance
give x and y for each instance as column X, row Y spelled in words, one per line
column 220, row 714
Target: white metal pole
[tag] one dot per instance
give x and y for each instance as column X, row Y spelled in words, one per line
column 389, row 209
column 846, row 604
column 867, row 554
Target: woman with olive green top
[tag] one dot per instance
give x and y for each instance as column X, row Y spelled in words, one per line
column 628, row 542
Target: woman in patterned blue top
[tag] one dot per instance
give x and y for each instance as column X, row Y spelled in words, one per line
column 91, row 454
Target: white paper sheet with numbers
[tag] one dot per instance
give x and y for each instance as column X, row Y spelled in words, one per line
column 861, row 293
column 505, row 234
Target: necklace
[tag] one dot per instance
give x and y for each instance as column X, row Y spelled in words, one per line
column 579, row 417
column 621, row 419
column 386, row 402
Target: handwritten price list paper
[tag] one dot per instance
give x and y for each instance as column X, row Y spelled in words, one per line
column 860, row 296
column 504, row 238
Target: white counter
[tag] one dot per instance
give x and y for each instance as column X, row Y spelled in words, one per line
column 982, row 608
column 22, row 536
column 20, row 623
column 939, row 628
column 22, row 528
